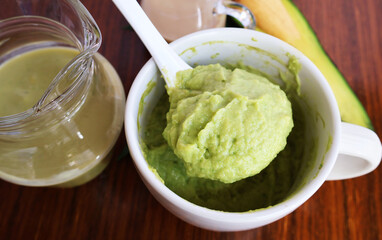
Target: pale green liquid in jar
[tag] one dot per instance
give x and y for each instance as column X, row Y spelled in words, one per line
column 66, row 145
column 24, row 78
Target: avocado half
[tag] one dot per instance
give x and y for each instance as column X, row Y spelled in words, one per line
column 282, row 19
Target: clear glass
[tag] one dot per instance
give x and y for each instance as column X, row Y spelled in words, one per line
column 176, row 18
column 67, row 137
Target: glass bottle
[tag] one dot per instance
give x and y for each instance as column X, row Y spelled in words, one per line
column 66, row 137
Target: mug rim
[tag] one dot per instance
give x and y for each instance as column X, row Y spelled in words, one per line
column 270, row 213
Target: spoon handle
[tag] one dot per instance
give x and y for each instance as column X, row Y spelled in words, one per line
column 168, row 62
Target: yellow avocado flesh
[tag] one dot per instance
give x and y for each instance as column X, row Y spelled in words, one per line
column 282, row 19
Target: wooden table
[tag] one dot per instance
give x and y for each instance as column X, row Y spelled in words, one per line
column 117, row 205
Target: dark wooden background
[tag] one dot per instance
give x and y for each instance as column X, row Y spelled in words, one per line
column 117, row 205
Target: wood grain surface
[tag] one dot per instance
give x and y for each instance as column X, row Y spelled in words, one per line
column 117, row 205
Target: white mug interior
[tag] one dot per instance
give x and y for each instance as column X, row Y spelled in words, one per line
column 270, row 55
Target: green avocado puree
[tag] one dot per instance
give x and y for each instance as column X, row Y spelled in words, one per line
column 225, row 124
column 270, row 186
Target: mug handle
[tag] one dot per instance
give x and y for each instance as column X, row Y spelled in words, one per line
column 237, row 11
column 360, row 152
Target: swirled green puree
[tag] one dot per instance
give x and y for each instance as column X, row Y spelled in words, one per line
column 222, row 126
column 226, row 125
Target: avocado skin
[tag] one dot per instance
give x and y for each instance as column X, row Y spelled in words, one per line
column 291, row 26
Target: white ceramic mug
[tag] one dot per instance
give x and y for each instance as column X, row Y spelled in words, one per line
column 356, row 150
column 176, row 18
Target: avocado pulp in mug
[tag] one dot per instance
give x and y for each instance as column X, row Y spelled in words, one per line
column 272, row 185
column 225, row 124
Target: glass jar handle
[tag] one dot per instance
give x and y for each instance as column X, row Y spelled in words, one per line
column 360, row 152
column 237, row 11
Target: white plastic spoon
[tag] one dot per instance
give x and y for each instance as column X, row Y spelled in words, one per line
column 168, row 62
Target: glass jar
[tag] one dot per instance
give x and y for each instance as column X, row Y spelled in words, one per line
column 66, row 137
